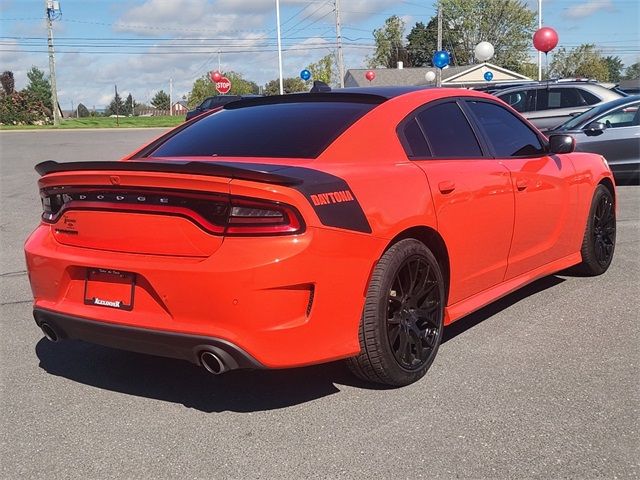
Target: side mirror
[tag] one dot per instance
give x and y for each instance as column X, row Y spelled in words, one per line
column 561, row 144
column 594, row 128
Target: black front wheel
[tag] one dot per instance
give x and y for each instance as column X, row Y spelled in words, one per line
column 402, row 322
column 599, row 239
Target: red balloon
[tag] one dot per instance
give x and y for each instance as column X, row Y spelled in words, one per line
column 215, row 76
column 370, row 75
column 545, row 39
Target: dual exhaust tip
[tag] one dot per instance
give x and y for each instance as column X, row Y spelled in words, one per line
column 212, row 362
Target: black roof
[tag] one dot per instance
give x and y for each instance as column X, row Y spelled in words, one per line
column 375, row 95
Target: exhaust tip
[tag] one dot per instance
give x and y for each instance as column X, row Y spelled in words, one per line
column 212, row 363
column 49, row 333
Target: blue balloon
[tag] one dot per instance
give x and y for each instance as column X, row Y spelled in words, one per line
column 441, row 59
column 488, row 76
column 305, row 74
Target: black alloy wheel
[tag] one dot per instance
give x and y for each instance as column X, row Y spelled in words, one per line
column 599, row 240
column 403, row 317
column 604, row 230
column 413, row 323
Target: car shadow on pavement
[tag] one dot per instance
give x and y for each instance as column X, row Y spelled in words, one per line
column 479, row 316
column 239, row 391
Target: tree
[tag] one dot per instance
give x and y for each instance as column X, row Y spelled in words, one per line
column 8, row 82
column 632, row 72
column 390, row 47
column 614, row 66
column 161, row 100
column 290, row 85
column 528, row 69
column 507, row 24
column 39, row 86
column 324, row 70
column 83, row 111
column 203, row 87
column 422, row 43
column 584, row 61
column 116, row 107
column 129, row 105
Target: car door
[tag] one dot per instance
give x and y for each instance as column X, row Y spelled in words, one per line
column 544, row 189
column 472, row 195
column 619, row 141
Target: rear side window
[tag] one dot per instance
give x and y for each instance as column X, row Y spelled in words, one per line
column 509, row 136
column 415, row 142
column 289, row 130
column 448, row 131
column 588, row 97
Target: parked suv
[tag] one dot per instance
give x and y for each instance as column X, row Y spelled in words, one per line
column 547, row 104
column 214, row 102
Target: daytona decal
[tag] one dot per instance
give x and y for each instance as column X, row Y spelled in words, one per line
column 332, row 197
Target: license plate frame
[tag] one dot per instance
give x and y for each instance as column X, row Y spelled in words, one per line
column 109, row 288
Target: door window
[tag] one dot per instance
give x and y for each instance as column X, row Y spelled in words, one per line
column 621, row 117
column 566, row 97
column 448, row 131
column 509, row 136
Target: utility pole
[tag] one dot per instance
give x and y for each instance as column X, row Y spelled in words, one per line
column 339, row 41
column 115, row 100
column 439, row 70
column 171, row 97
column 53, row 12
column 279, row 46
column 219, row 63
column 539, row 52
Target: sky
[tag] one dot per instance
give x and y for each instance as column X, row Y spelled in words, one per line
column 139, row 45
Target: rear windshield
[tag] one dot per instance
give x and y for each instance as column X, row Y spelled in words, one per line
column 290, row 130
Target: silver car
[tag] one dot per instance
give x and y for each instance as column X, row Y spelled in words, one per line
column 612, row 130
column 549, row 104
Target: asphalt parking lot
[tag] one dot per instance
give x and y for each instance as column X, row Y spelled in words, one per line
column 542, row 384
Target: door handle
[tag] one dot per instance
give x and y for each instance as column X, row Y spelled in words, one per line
column 447, row 186
column 521, row 184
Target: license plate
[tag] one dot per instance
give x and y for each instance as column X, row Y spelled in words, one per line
column 109, row 288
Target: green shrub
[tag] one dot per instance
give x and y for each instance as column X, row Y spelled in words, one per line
column 22, row 108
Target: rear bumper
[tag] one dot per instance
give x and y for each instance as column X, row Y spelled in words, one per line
column 152, row 342
column 286, row 301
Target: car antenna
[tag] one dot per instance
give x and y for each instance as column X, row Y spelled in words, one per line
column 319, row 87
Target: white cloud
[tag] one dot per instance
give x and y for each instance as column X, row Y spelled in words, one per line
column 588, row 8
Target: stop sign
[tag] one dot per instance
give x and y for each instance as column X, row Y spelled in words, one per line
column 223, row 85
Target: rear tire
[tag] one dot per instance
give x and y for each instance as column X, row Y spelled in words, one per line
column 599, row 240
column 403, row 318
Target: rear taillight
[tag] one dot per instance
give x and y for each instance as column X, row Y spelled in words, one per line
column 216, row 213
column 250, row 217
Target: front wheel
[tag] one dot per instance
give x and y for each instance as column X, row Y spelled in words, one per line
column 403, row 318
column 599, row 239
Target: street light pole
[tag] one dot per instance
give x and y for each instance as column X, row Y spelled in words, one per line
column 539, row 52
column 279, row 46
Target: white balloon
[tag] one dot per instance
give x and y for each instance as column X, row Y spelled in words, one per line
column 430, row 76
column 483, row 51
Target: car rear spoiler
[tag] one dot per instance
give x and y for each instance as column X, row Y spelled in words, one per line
column 251, row 172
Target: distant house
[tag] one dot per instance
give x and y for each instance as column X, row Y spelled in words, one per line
column 179, row 108
column 458, row 76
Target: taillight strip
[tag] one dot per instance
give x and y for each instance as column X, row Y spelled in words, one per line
column 213, row 213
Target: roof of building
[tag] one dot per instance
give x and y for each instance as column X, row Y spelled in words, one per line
column 455, row 75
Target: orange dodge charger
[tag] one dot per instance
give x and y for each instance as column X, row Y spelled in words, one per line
column 298, row 229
